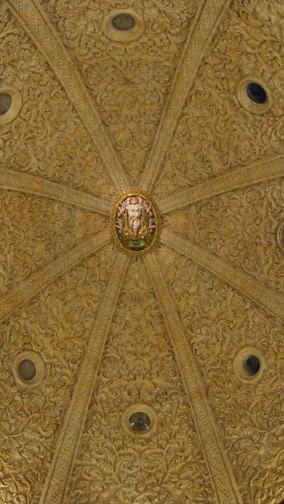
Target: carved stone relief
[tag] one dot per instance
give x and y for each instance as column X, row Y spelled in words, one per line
column 139, row 366
column 215, row 133
column 41, row 140
column 129, row 82
column 31, row 418
column 219, row 321
column 41, row 236
column 241, row 227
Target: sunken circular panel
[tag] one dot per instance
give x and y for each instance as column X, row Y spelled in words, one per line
column 28, row 369
column 139, row 420
column 123, row 25
column 280, row 236
column 249, row 364
column 5, row 102
column 254, row 95
column 10, row 104
column 123, row 22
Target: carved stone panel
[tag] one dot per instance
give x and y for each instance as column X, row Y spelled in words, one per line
column 139, row 366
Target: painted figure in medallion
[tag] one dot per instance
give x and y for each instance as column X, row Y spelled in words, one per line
column 135, row 222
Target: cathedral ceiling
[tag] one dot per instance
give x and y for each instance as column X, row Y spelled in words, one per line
column 141, row 247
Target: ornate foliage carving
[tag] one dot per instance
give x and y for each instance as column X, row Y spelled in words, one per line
column 34, row 231
column 32, row 418
column 129, row 82
column 215, row 133
column 28, row 239
column 219, row 321
column 42, row 140
column 138, row 365
column 241, row 228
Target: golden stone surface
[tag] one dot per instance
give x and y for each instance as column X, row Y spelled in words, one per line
column 135, row 222
column 164, row 107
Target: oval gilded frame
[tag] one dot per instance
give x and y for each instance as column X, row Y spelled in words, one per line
column 157, row 219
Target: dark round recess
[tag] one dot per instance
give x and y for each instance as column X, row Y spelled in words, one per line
column 251, row 365
column 5, row 103
column 123, row 22
column 139, row 422
column 281, row 241
column 26, row 369
column 256, row 93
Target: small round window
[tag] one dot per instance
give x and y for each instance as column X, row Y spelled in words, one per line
column 28, row 369
column 249, row 364
column 254, row 96
column 10, row 104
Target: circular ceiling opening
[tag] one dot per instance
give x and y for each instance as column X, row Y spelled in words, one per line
column 251, row 365
column 123, row 22
column 123, row 25
column 10, row 104
column 5, row 102
column 280, row 236
column 256, row 92
column 254, row 96
column 27, row 369
column 139, row 421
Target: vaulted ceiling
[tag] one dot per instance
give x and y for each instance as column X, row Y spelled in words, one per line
column 182, row 100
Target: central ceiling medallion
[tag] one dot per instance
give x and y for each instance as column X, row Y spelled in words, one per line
column 135, row 221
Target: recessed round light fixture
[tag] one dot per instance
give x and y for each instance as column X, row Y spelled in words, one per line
column 249, row 364
column 28, row 369
column 10, row 104
column 280, row 236
column 254, row 95
column 123, row 21
column 123, row 25
column 5, row 102
column 256, row 92
column 139, row 420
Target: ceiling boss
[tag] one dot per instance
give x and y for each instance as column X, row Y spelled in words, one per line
column 135, row 222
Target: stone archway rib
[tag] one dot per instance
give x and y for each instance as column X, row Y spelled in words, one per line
column 250, row 174
column 33, row 19
column 36, row 282
column 69, row 438
column 31, row 184
column 210, row 14
column 256, row 291
column 219, row 467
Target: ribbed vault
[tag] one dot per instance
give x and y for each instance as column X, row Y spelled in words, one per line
column 166, row 328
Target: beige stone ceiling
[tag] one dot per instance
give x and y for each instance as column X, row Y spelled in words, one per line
column 164, row 108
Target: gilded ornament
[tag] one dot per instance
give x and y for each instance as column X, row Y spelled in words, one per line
column 135, row 221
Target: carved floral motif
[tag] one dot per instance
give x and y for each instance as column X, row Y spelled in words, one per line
column 215, row 134
column 219, row 321
column 47, row 138
column 31, row 418
column 129, row 82
column 139, row 365
column 241, row 227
